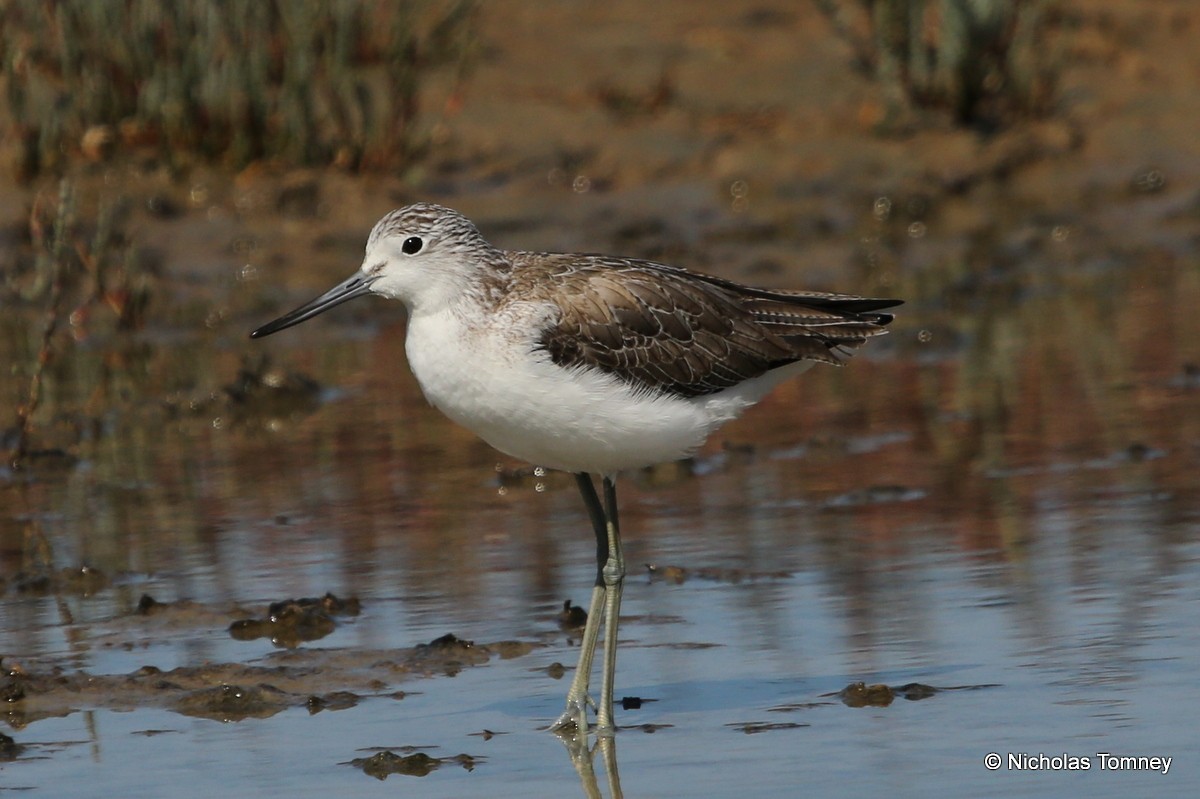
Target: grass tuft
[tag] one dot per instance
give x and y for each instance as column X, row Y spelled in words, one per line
column 985, row 62
column 306, row 82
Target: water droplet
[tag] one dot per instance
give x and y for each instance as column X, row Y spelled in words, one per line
column 1060, row 233
column 248, row 272
column 916, row 230
column 539, row 487
column 739, row 188
column 581, row 185
column 882, row 208
column 925, row 336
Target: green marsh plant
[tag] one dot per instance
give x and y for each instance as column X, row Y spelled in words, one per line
column 304, row 82
column 986, row 62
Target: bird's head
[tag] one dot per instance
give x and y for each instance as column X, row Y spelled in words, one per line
column 424, row 255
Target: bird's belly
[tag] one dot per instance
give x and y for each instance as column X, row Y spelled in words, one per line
column 575, row 420
column 576, row 423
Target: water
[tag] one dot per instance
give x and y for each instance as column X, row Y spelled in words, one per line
column 1081, row 647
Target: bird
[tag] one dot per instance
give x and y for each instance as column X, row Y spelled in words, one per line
column 589, row 364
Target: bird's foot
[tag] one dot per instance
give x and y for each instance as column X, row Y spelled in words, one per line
column 574, row 718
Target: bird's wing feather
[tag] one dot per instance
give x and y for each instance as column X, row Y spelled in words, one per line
column 664, row 329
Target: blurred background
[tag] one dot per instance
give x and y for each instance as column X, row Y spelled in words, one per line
column 1000, row 497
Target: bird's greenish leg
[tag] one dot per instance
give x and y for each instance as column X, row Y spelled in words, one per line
column 613, row 574
column 578, row 700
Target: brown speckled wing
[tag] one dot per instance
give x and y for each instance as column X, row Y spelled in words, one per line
column 672, row 331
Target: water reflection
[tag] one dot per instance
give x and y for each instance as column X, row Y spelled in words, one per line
column 584, row 761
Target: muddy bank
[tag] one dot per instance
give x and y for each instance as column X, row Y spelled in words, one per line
column 315, row 679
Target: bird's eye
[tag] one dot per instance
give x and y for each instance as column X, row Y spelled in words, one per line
column 412, row 245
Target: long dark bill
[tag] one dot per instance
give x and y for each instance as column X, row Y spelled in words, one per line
column 356, row 286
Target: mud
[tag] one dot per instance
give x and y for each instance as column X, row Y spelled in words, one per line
column 314, row 679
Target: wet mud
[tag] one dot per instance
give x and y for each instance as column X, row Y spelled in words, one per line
column 418, row 764
column 314, row 679
column 289, row 622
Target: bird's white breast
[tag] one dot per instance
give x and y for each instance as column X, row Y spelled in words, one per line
column 486, row 373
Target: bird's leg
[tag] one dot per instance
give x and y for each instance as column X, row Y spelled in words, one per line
column 577, row 696
column 613, row 574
